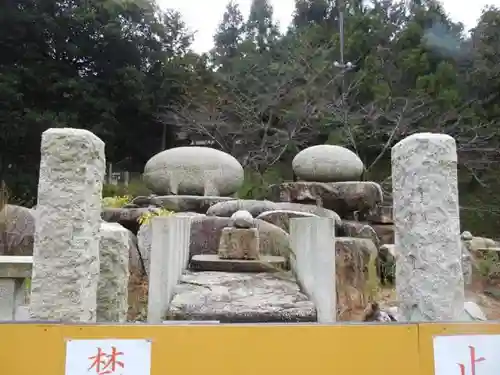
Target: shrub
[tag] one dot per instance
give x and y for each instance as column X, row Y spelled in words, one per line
column 256, row 184
column 146, row 217
column 135, row 188
column 116, row 202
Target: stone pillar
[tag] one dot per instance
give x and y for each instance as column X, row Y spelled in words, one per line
column 171, row 236
column 429, row 279
column 312, row 240
column 66, row 247
column 112, row 293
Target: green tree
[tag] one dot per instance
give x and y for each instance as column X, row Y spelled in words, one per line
column 308, row 12
column 260, row 28
column 228, row 37
column 105, row 66
column 414, row 71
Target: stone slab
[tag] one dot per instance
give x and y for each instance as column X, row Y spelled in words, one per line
column 231, row 297
column 313, row 243
column 181, row 203
column 210, row 262
column 169, row 258
column 16, row 267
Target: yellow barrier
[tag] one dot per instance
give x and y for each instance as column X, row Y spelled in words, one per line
column 227, row 349
column 242, row 350
column 427, row 331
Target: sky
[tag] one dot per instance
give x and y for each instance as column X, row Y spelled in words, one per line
column 203, row 16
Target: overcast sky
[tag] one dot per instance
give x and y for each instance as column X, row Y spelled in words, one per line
column 203, row 16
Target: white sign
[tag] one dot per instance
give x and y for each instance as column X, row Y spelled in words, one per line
column 108, row 357
column 467, row 355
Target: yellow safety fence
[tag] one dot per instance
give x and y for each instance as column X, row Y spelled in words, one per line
column 288, row 349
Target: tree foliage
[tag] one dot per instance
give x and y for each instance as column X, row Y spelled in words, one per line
column 414, row 69
column 125, row 70
column 105, row 66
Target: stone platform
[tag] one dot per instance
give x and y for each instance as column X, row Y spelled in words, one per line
column 211, row 262
column 231, row 297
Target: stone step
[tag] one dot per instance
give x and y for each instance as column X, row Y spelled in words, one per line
column 210, row 262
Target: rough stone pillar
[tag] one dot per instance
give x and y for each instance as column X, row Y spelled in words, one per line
column 112, row 293
column 429, row 279
column 66, row 247
column 171, row 236
column 312, row 240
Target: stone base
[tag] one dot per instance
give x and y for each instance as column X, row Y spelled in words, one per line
column 181, row 203
column 347, row 198
column 209, row 262
column 239, row 243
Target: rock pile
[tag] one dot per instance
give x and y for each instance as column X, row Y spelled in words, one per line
column 239, row 249
column 241, row 246
column 249, row 235
column 329, row 177
column 329, row 185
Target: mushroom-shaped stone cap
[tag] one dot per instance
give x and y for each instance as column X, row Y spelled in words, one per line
column 242, row 219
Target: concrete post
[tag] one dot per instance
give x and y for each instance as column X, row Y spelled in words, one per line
column 429, row 278
column 313, row 244
column 170, row 239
